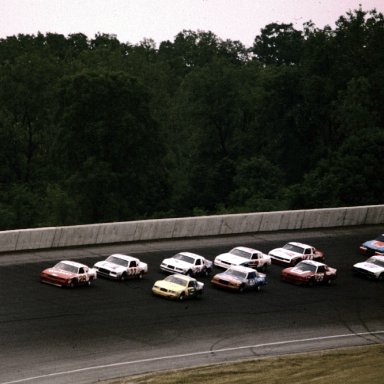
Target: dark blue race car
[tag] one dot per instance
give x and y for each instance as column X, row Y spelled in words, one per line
column 372, row 247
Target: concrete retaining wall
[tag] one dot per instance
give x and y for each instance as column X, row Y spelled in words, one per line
column 132, row 231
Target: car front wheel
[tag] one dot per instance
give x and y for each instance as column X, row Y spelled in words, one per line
column 123, row 277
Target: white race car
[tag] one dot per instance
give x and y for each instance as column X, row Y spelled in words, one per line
column 187, row 263
column 245, row 256
column 121, row 267
column 372, row 268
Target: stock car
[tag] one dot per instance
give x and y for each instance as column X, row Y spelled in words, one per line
column 309, row 272
column 178, row 287
column 372, row 247
column 187, row 263
column 294, row 252
column 239, row 278
column 372, row 268
column 243, row 256
column 121, row 267
column 68, row 273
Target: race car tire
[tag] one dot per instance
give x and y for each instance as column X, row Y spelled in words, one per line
column 206, row 271
column 123, row 277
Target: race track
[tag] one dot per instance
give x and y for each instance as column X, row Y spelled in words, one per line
column 112, row 329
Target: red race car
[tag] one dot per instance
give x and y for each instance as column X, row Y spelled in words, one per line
column 68, row 274
column 309, row 272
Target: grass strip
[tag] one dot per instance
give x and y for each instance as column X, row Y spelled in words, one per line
column 359, row 365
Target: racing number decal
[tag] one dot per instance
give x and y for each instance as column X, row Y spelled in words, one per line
column 133, row 271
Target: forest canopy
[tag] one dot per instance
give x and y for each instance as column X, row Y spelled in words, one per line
column 95, row 130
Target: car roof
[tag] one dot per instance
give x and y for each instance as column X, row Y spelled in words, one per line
column 241, row 268
column 300, row 244
column 74, row 263
column 124, row 257
column 312, row 262
column 194, row 255
column 247, row 249
column 183, row 277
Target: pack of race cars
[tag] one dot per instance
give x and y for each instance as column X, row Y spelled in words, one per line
column 241, row 268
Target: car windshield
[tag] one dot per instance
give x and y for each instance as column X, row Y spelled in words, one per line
column 376, row 261
column 305, row 267
column 117, row 260
column 185, row 258
column 234, row 273
column 66, row 267
column 241, row 253
column 293, row 248
column 380, row 238
column 176, row 280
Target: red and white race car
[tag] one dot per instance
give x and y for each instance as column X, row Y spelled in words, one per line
column 294, row 252
column 68, row 274
column 309, row 272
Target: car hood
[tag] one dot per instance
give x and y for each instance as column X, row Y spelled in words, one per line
column 297, row 272
column 283, row 253
column 110, row 266
column 177, row 263
column 227, row 277
column 369, row 267
column 232, row 259
column 59, row 273
column 169, row 285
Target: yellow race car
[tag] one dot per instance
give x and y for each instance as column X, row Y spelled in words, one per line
column 178, row 287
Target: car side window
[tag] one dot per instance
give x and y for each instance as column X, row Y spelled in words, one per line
column 307, row 251
column 133, row 264
column 255, row 256
column 81, row 270
column 198, row 262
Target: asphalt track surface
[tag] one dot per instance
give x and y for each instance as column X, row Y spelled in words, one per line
column 114, row 329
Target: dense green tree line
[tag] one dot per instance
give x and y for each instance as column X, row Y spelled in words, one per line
column 95, row 130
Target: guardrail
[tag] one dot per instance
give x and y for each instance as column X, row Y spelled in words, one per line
column 146, row 230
